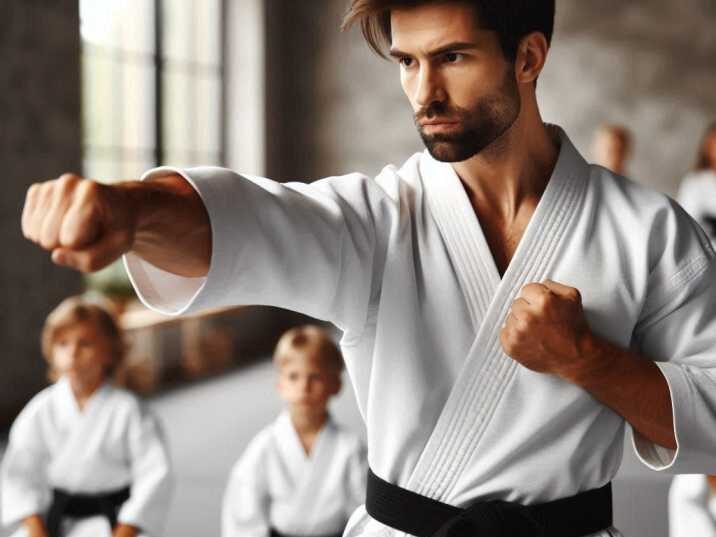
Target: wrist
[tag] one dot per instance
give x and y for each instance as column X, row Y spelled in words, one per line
column 595, row 363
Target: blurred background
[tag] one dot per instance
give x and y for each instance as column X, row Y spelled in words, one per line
column 111, row 88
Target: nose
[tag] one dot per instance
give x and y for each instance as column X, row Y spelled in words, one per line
column 429, row 88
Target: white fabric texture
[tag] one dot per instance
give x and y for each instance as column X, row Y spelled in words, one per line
column 113, row 442
column 276, row 485
column 697, row 194
column 692, row 507
column 401, row 265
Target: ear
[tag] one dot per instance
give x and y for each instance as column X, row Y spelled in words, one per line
column 531, row 57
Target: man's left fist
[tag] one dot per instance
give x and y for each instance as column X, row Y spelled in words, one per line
column 546, row 330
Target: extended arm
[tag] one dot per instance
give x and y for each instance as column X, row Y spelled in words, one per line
column 87, row 225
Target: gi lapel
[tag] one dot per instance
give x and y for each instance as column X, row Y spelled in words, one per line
column 84, row 430
column 487, row 371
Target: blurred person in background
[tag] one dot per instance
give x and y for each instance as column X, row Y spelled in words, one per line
column 692, row 506
column 697, row 193
column 612, row 147
column 84, row 458
column 303, row 475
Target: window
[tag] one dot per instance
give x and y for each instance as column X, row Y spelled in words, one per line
column 152, row 89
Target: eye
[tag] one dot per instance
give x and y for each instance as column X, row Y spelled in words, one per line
column 453, row 57
column 406, row 61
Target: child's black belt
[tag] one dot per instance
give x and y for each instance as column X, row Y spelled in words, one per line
column 407, row 511
column 67, row 504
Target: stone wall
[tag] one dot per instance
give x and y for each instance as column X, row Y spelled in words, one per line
column 39, row 138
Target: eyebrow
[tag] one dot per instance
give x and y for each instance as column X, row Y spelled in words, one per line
column 450, row 47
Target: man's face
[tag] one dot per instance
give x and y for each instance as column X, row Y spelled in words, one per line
column 462, row 89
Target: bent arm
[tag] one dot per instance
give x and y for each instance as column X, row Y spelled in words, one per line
column 633, row 387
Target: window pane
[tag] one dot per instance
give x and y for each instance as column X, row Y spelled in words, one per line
column 138, row 105
column 208, row 104
column 208, row 31
column 97, row 93
column 118, row 24
column 179, row 30
column 178, row 107
column 192, row 31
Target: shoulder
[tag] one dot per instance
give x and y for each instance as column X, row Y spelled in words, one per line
column 123, row 402
column 649, row 212
column 258, row 447
column 35, row 407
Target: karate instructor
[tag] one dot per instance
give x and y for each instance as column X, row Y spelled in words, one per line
column 508, row 309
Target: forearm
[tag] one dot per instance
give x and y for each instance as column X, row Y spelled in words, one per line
column 632, row 386
column 172, row 228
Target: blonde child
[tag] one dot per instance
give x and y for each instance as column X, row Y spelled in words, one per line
column 302, row 475
column 84, row 458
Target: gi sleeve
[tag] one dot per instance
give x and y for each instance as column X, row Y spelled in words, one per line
column 677, row 329
column 25, row 489
column 245, row 507
column 308, row 248
column 151, row 487
column 689, row 512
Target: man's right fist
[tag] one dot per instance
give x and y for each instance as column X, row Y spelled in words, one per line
column 85, row 224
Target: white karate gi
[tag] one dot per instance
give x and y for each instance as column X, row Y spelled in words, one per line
column 276, row 485
column 401, row 264
column 697, row 194
column 112, row 443
column 692, row 507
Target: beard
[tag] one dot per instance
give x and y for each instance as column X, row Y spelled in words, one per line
column 480, row 125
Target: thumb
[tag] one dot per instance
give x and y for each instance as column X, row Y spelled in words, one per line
column 96, row 256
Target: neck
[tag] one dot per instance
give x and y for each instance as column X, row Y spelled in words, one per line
column 83, row 392
column 307, row 421
column 513, row 170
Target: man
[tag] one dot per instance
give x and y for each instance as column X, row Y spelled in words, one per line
column 506, row 307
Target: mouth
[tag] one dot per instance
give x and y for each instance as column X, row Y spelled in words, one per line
column 432, row 127
column 437, row 123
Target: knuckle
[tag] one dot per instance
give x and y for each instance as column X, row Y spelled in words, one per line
column 69, row 178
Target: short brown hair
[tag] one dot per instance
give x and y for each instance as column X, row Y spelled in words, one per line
column 77, row 309
column 308, row 337
column 511, row 19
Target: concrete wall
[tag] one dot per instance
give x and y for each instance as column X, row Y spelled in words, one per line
column 39, row 138
column 334, row 108
column 649, row 64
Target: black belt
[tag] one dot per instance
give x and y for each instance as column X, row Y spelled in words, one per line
column 66, row 504
column 273, row 532
column 407, row 511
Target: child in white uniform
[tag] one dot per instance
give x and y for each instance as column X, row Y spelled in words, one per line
column 303, row 475
column 84, row 458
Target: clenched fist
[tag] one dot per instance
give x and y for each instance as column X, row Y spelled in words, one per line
column 85, row 224
column 546, row 330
